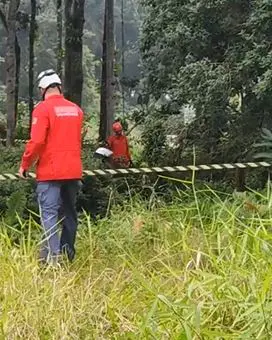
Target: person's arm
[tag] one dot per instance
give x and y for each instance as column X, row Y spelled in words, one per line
column 108, row 143
column 39, row 130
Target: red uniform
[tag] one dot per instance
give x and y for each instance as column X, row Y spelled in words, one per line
column 118, row 144
column 55, row 140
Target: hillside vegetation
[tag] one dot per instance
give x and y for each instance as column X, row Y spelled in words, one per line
column 198, row 269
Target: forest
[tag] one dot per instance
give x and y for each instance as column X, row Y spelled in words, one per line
column 170, row 255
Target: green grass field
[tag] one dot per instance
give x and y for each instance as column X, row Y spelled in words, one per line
column 197, row 269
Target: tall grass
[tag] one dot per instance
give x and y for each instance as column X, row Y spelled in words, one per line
column 197, row 269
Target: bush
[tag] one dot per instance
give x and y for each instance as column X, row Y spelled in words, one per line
column 154, row 141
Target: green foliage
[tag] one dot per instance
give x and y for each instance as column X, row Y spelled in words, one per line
column 15, row 196
column 22, row 126
column 90, row 99
column 10, row 157
column 216, row 57
column 154, row 139
column 22, row 129
column 266, row 145
column 198, row 269
column 16, row 204
column 2, row 100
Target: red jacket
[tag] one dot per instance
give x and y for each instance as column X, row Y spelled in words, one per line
column 55, row 140
column 118, row 144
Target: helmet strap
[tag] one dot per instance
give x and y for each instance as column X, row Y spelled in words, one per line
column 59, row 88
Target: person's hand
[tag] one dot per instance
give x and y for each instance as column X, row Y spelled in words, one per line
column 22, row 173
column 106, row 144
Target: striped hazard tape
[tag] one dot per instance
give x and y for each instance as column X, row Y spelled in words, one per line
column 16, row 141
column 166, row 169
column 23, row 141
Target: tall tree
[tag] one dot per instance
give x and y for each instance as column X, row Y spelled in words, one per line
column 73, row 75
column 123, row 54
column 11, row 70
column 21, row 22
column 17, row 80
column 103, row 92
column 107, row 78
column 32, row 30
column 59, row 45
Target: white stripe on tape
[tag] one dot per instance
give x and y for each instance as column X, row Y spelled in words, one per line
column 147, row 170
column 181, row 168
column 89, row 173
column 228, row 166
column 111, row 171
column 265, row 164
column 122, row 171
column 241, row 165
column 100, row 172
column 169, row 168
column 157, row 169
column 192, row 167
column 204, row 167
column 134, row 170
column 253, row 165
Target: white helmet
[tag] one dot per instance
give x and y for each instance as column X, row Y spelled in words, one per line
column 47, row 78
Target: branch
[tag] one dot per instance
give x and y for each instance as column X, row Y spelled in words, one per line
column 133, row 127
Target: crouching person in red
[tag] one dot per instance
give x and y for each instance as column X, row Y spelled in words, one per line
column 118, row 144
column 55, row 147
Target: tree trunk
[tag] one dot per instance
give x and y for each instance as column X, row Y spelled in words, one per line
column 240, row 180
column 123, row 57
column 59, row 47
column 18, row 64
column 103, row 93
column 73, row 75
column 107, row 79
column 11, row 71
column 32, row 31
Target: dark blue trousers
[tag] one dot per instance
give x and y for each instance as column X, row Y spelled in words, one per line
column 57, row 203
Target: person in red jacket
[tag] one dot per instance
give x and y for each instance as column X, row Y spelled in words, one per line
column 118, row 144
column 55, row 148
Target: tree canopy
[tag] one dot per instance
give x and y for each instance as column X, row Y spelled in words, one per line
column 216, row 57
